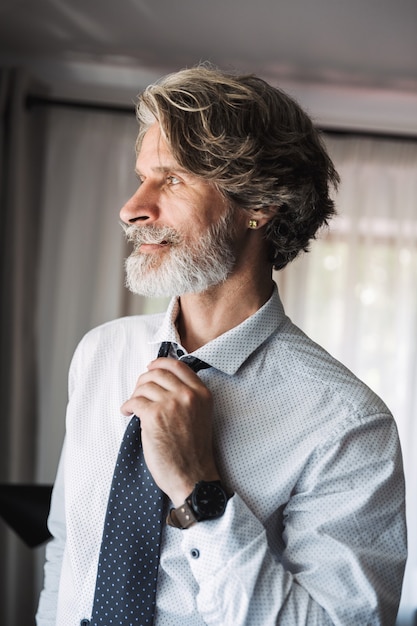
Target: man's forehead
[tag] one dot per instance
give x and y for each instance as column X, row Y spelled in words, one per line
column 155, row 156
column 155, row 152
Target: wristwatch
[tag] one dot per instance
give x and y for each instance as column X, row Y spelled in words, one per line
column 207, row 501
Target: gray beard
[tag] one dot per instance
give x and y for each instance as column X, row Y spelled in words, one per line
column 192, row 269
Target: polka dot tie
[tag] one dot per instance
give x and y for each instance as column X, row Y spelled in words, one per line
column 127, row 572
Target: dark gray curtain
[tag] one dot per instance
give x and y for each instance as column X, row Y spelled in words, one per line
column 21, row 150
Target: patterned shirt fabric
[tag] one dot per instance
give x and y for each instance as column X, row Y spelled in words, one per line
column 315, row 533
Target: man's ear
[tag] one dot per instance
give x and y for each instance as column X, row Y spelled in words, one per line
column 257, row 218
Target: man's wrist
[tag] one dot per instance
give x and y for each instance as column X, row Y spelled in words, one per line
column 207, row 501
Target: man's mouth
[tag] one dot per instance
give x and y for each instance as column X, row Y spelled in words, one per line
column 150, row 246
column 151, row 236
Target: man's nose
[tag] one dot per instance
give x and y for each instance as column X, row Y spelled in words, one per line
column 141, row 207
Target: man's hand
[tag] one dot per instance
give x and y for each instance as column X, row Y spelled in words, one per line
column 175, row 409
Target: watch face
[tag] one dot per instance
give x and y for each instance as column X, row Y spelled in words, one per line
column 209, row 500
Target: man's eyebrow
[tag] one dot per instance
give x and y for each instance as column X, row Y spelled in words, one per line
column 165, row 169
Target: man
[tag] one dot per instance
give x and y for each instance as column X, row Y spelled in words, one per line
column 302, row 516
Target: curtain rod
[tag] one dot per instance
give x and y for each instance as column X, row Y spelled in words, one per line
column 33, row 100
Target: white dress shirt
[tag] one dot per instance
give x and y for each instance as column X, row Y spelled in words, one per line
column 315, row 532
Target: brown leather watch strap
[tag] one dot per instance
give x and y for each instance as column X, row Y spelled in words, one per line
column 182, row 517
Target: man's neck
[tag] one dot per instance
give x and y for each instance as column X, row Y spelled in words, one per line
column 205, row 316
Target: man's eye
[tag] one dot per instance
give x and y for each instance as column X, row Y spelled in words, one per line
column 173, row 180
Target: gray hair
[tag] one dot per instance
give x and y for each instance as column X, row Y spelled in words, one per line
column 254, row 143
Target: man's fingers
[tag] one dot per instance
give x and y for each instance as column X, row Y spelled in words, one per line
column 179, row 369
column 167, row 382
column 146, row 393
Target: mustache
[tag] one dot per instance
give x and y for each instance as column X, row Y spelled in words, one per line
column 139, row 235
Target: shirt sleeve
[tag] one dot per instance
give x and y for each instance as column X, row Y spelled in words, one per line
column 48, row 600
column 344, row 538
column 46, row 615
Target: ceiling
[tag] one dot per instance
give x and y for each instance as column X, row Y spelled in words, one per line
column 111, row 49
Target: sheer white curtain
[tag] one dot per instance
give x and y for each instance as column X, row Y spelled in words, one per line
column 355, row 293
column 89, row 174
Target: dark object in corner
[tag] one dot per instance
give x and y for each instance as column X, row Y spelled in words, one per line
column 25, row 509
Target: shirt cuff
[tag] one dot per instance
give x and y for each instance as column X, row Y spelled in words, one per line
column 213, row 544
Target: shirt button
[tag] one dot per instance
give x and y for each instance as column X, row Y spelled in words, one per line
column 195, row 553
column 85, row 622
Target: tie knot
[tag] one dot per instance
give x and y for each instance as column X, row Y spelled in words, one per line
column 193, row 362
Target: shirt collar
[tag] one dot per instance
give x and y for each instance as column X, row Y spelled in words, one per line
column 231, row 349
